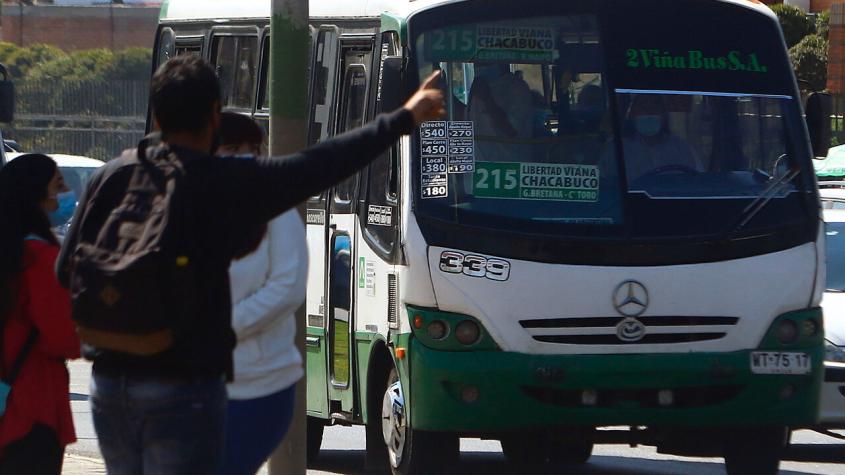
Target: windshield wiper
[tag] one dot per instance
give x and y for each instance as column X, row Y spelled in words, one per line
column 763, row 199
column 834, row 291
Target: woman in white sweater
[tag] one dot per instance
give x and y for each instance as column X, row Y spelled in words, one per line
column 268, row 286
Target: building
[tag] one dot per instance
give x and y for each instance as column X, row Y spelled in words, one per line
column 84, row 25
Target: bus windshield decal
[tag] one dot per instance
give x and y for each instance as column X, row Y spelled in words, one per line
column 693, row 60
column 536, row 181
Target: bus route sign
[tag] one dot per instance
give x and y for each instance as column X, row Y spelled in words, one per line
column 536, row 181
column 522, row 44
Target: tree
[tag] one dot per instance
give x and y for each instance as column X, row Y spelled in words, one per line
column 794, row 23
column 22, row 60
column 132, row 64
column 823, row 24
column 809, row 58
column 84, row 65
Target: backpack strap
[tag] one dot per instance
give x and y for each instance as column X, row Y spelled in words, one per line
column 21, row 358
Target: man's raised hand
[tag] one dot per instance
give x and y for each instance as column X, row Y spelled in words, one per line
column 427, row 103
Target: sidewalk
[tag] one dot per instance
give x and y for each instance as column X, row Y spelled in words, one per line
column 79, row 465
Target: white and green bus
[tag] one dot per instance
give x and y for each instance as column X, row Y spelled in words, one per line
column 613, row 237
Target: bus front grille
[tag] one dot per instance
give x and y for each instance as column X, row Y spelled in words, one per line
column 606, row 330
column 642, row 397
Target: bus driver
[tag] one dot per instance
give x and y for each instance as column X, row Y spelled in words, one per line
column 649, row 146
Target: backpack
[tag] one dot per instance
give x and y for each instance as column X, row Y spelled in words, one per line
column 131, row 276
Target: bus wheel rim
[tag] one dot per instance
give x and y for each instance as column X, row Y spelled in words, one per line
column 393, row 422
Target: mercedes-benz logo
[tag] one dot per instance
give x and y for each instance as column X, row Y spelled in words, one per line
column 630, row 298
column 630, row 330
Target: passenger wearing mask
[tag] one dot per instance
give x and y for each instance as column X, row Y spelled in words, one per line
column 38, row 333
column 650, row 147
column 268, row 281
column 501, row 107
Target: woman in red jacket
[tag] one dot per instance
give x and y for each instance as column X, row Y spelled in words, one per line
column 37, row 423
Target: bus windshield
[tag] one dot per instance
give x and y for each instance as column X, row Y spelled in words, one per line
column 556, row 128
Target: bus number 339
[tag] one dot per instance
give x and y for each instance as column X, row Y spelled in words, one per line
column 475, row 266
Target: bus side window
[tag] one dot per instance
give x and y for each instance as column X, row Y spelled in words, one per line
column 166, row 47
column 323, row 71
column 323, row 85
column 382, row 213
column 353, row 110
column 188, row 45
column 235, row 59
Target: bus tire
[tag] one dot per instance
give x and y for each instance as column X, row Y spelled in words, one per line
column 542, row 448
column 571, row 452
column 410, row 451
column 755, row 451
column 524, row 449
column 313, row 439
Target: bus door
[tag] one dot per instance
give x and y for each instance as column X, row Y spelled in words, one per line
column 317, row 342
column 355, row 63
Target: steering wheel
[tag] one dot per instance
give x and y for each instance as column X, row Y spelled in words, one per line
column 674, row 168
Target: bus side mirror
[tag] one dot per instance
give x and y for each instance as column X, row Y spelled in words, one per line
column 818, row 110
column 7, row 97
column 392, row 92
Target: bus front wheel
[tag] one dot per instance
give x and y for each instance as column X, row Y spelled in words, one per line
column 413, row 452
column 755, row 450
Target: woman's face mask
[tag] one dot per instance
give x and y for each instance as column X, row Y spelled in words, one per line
column 648, row 125
column 67, row 205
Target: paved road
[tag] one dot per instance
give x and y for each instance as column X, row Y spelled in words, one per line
column 343, row 451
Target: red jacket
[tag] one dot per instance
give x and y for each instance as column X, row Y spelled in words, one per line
column 40, row 393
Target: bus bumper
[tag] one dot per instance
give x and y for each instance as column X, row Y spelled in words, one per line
column 487, row 392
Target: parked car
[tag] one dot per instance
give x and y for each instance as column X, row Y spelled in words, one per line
column 10, row 146
column 76, row 171
column 833, row 166
column 832, row 408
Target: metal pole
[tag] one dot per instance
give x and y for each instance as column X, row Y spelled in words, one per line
column 289, row 48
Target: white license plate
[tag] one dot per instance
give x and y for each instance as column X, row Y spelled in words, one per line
column 774, row 362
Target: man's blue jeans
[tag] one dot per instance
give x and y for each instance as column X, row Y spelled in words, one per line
column 148, row 426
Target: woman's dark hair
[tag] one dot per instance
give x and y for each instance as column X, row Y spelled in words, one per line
column 23, row 186
column 237, row 129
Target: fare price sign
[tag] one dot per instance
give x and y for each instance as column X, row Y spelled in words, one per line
column 454, row 140
column 434, row 150
column 536, row 181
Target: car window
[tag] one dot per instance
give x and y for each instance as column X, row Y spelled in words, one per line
column 77, row 177
column 835, row 241
column 833, row 204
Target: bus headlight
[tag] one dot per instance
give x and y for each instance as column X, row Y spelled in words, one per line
column 467, row 332
column 447, row 331
column 437, row 330
column 810, row 327
column 787, row 331
column 833, row 353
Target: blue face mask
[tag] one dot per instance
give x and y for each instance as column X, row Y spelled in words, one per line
column 648, row 125
column 67, row 205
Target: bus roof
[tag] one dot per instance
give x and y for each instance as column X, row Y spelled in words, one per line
column 219, row 9
column 210, row 9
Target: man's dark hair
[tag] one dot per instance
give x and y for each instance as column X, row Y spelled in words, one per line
column 184, row 92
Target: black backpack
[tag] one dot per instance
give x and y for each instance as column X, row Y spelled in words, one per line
column 131, row 275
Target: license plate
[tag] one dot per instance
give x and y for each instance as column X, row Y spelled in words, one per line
column 773, row 362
